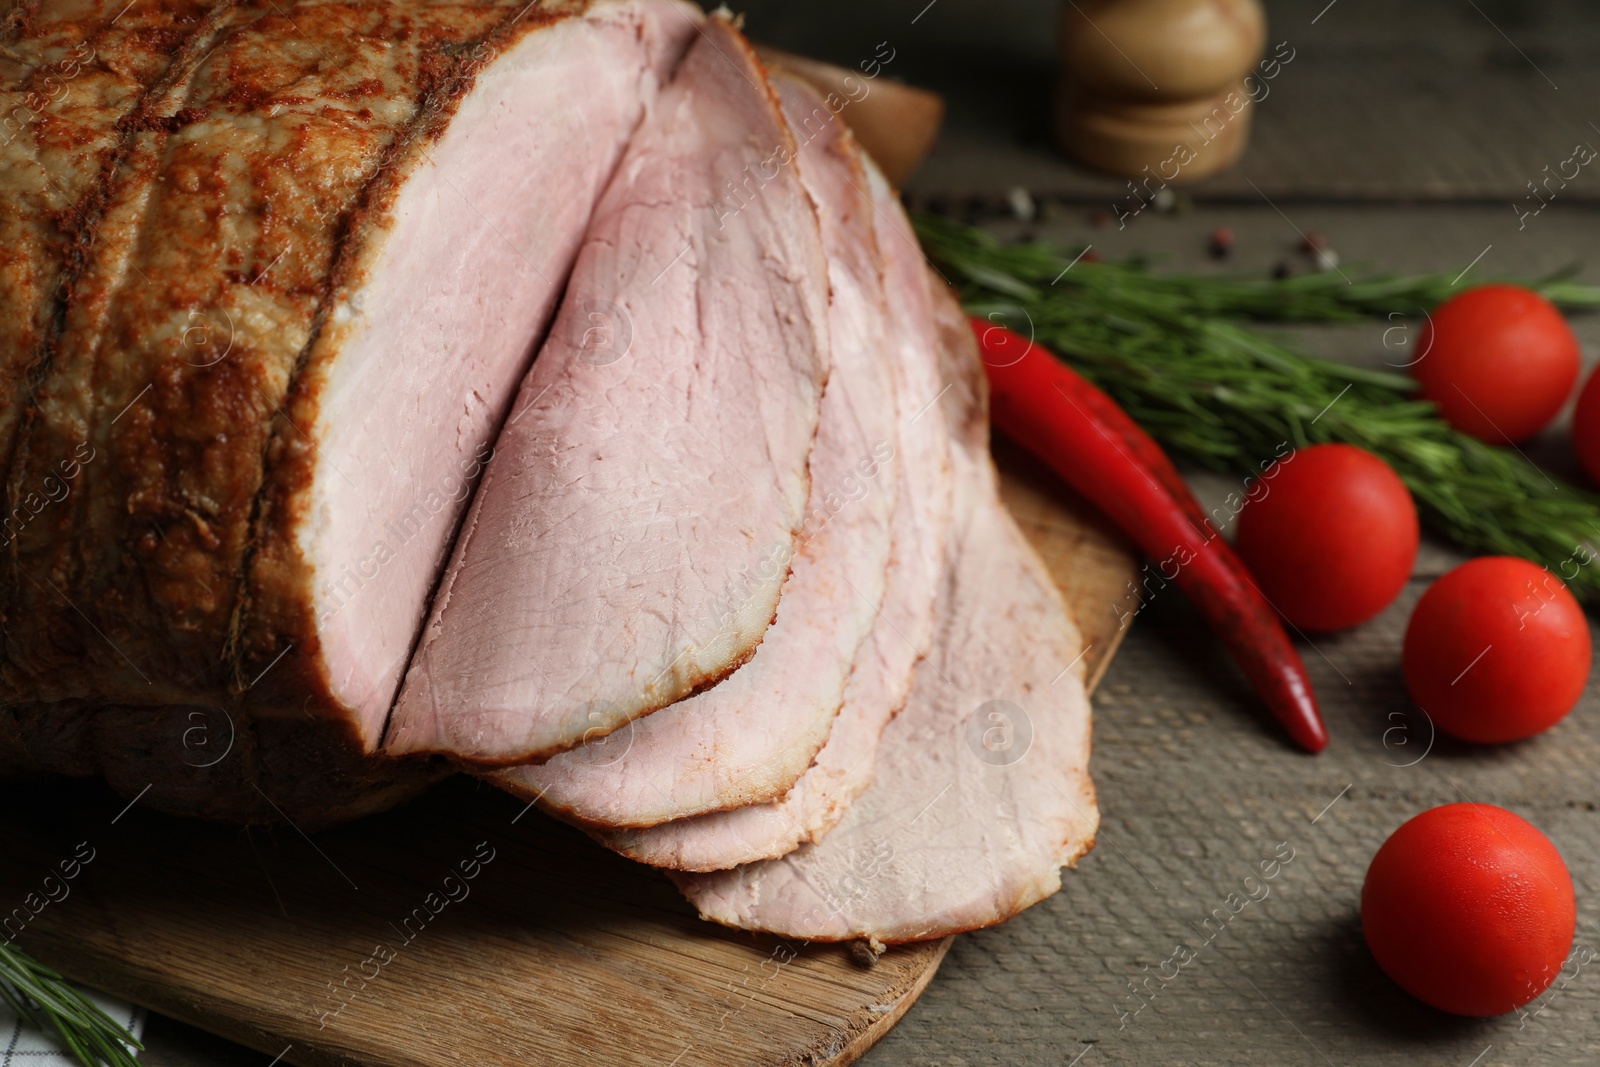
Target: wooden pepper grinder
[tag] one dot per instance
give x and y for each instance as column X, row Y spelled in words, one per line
column 1157, row 88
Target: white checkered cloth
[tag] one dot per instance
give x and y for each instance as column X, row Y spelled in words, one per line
column 26, row 1046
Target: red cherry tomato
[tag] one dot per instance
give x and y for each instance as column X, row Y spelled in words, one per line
column 1586, row 426
column 1331, row 536
column 1469, row 908
column 1498, row 360
column 1496, row 650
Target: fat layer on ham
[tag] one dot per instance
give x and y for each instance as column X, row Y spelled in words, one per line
column 636, row 524
column 750, row 738
column 981, row 791
column 881, row 677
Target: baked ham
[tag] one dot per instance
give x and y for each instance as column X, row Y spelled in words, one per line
column 280, row 277
column 295, row 522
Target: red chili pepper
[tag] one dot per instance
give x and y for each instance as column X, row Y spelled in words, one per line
column 1102, row 453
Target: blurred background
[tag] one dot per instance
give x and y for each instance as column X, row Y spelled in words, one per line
column 1425, row 100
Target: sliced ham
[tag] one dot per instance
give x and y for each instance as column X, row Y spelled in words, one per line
column 981, row 791
column 750, row 738
column 881, row 677
column 633, row 532
column 301, row 267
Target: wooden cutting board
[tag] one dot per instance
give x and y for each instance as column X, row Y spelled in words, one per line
column 554, row 952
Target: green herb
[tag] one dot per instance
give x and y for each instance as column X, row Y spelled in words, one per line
column 43, row 998
column 1175, row 351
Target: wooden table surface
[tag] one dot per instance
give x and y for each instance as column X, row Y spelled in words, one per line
column 1405, row 134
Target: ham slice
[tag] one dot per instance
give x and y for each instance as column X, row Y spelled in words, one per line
column 903, row 630
column 748, row 739
column 632, row 534
column 981, row 791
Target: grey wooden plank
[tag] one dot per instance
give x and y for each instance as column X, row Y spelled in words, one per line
column 1196, row 792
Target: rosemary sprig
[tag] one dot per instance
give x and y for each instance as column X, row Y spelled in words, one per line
column 43, row 998
column 1174, row 352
